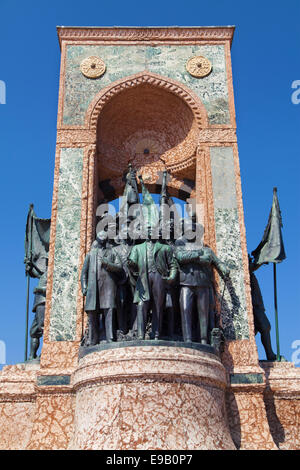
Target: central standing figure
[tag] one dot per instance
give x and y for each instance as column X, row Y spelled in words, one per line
column 154, row 265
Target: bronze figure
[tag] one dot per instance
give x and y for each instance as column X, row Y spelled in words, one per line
column 196, row 284
column 99, row 286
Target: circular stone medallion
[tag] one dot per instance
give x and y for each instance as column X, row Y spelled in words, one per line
column 92, row 67
column 198, row 66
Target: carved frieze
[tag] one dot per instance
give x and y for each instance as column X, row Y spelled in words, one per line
column 153, row 35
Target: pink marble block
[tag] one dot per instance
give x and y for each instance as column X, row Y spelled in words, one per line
column 157, row 398
column 17, row 404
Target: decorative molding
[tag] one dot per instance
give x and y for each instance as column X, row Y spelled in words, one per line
column 73, row 137
column 145, row 35
column 217, row 135
column 182, row 165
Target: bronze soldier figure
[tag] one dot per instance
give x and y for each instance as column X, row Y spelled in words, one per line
column 37, row 327
column 99, row 286
column 261, row 322
column 196, row 281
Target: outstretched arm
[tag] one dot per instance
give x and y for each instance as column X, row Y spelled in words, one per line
column 185, row 256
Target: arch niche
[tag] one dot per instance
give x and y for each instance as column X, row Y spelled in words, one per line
column 152, row 122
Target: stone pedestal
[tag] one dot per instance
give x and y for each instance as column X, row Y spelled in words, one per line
column 155, row 395
column 17, row 404
column 150, row 397
column 282, row 401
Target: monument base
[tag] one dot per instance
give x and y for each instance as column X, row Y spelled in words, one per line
column 282, row 400
column 17, row 404
column 150, row 397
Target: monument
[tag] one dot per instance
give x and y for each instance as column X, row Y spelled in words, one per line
column 149, row 341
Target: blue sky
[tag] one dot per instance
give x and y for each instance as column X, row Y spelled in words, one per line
column 265, row 57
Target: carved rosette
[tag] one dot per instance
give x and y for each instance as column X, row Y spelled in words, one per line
column 199, row 66
column 92, row 67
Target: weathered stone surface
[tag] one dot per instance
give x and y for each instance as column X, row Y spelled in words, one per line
column 67, row 240
column 228, row 241
column 150, row 398
column 53, row 422
column 248, row 421
column 166, row 60
column 282, row 402
column 17, row 404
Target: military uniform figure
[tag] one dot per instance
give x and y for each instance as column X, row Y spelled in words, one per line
column 37, row 327
column 154, row 265
column 196, row 282
column 261, row 322
column 99, row 286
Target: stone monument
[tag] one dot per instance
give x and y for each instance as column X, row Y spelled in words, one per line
column 158, row 100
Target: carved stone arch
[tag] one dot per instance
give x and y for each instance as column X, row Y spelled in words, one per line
column 173, row 144
column 146, row 77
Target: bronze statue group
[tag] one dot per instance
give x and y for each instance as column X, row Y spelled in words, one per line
column 150, row 286
column 143, row 279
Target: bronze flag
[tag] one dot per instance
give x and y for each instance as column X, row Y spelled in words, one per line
column 271, row 248
column 37, row 237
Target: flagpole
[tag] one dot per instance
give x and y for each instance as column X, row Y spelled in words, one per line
column 28, row 259
column 26, row 318
column 276, row 313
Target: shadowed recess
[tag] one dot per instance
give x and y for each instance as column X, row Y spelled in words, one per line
column 154, row 130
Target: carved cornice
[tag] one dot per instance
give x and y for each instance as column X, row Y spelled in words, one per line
column 172, row 34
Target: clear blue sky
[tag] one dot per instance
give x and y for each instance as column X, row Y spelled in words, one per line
column 265, row 56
